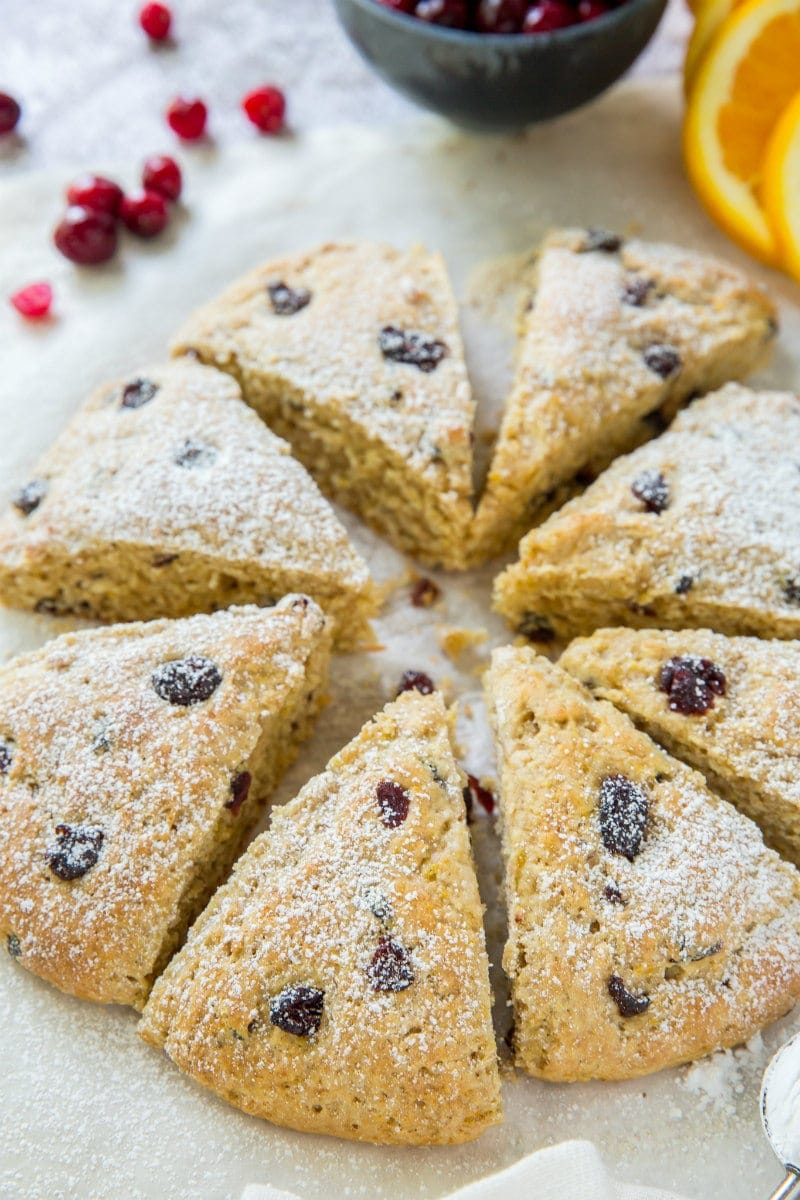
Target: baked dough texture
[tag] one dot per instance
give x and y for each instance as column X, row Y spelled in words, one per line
column 698, row 529
column 352, row 352
column 133, row 762
column 338, row 983
column 613, row 340
column 648, row 923
column 743, row 734
column 166, row 496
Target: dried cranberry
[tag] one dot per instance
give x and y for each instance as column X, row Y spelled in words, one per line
column 95, row 192
column 624, row 810
column 6, row 756
column 536, row 628
column 390, row 967
column 187, row 118
column 195, row 454
column 416, row 681
column 86, row 236
column 137, row 393
column 663, row 360
column 187, row 681
column 28, row 498
column 10, row 113
column 413, row 349
column 476, row 791
column 144, row 213
column 75, row 850
column 601, row 239
column 636, row 291
column 240, row 789
column 424, row 593
column 13, row 945
column 590, row 10
column 453, row 14
column 298, row 1010
column 628, row 1004
column 684, row 585
column 394, row 801
column 266, row 108
column 287, row 301
column 691, row 683
column 653, row 490
column 34, row 301
column 612, row 894
column 162, row 174
column 500, row 16
column 155, row 20
column 791, row 589
column 548, row 15
column 406, row 6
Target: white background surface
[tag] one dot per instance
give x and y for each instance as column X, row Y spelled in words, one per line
column 86, row 1111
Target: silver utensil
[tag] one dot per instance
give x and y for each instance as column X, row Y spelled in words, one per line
column 780, row 1114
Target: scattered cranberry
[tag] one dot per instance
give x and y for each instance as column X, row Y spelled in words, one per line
column 145, row 213
column 451, row 13
column 10, row 113
column 629, row 1005
column 424, row 593
column 162, row 174
column 187, row 118
column 240, row 790
column 155, row 20
column 95, row 192
column 390, row 968
column 548, row 15
column 406, row 6
column 476, row 791
column 266, row 108
column 393, row 801
column 691, row 683
column 590, row 10
column 500, row 16
column 33, row 301
column 653, row 490
column 85, row 235
column 416, row 681
column 624, row 813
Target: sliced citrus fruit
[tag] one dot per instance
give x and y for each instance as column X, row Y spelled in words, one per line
column 747, row 78
column 710, row 16
column 781, row 187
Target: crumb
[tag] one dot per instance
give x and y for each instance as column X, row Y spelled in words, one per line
column 457, row 641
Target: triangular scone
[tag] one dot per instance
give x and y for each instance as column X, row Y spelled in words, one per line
column 698, row 529
column 648, row 922
column 616, row 336
column 338, row 983
column 133, row 762
column 352, row 352
column 166, row 496
column 728, row 706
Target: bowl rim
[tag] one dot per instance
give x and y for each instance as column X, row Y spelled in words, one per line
column 471, row 37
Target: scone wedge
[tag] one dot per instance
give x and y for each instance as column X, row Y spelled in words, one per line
column 728, row 706
column 698, row 529
column 338, row 983
column 615, row 336
column 648, row 923
column 352, row 353
column 166, row 496
column 133, row 762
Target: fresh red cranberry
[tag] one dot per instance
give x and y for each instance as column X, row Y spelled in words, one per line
column 155, row 20
column 452, row 13
column 144, row 213
column 500, row 16
column 406, row 6
column 86, row 235
column 548, row 15
column 266, row 108
column 162, row 174
column 187, row 118
column 10, row 113
column 590, row 10
column 33, row 301
column 96, row 192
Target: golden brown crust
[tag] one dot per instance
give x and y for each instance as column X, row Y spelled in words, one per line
column 582, row 392
column 685, row 915
column 308, row 906
column 99, row 765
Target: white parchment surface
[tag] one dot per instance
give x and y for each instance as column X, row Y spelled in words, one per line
column 86, row 1110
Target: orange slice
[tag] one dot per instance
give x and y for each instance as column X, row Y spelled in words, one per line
column 747, row 78
column 781, row 186
column 710, row 16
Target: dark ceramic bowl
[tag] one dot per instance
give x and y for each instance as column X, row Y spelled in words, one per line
column 499, row 81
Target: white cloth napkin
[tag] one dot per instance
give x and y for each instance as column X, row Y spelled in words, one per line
column 567, row 1170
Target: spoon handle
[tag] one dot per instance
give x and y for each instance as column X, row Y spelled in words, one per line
column 789, row 1189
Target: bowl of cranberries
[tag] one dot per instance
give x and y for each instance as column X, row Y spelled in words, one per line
column 500, row 64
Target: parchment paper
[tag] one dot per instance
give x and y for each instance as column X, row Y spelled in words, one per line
column 86, row 1110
